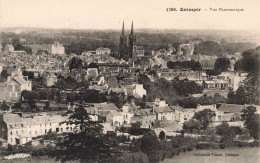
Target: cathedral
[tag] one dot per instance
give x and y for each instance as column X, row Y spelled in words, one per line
column 126, row 44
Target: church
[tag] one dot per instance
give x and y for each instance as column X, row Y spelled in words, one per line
column 127, row 45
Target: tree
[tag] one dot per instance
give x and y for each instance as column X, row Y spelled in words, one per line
column 60, row 84
column 87, row 142
column 29, row 95
column 186, row 87
column 252, row 121
column 249, row 93
column 4, row 74
column 142, row 79
column 249, row 62
column 4, row 106
column 205, row 117
column 75, row 63
column 136, row 129
column 42, row 95
column 222, row 129
column 222, row 64
column 150, row 145
column 191, row 125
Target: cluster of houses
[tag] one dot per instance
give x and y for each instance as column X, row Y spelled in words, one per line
column 99, row 51
column 20, row 128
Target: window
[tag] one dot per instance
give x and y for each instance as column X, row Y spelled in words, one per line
column 22, row 131
column 35, row 132
column 50, row 124
column 61, row 129
column 30, row 132
column 11, row 133
column 16, row 132
column 67, row 128
column 13, row 87
column 21, row 125
column 16, row 94
column 10, row 94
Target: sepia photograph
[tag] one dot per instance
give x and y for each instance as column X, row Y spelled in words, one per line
column 129, row 81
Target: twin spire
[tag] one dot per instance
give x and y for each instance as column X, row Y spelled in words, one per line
column 132, row 29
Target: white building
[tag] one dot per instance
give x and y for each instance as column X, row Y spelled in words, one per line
column 18, row 130
column 127, row 112
column 11, row 90
column 102, row 50
column 51, row 80
column 57, row 48
column 163, row 111
column 138, row 90
column 8, row 48
column 234, row 79
column 115, row 118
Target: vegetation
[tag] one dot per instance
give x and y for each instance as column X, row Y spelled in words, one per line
column 204, row 117
column 185, row 64
column 214, row 48
column 249, row 62
column 252, row 121
column 192, row 102
column 150, row 145
column 87, row 143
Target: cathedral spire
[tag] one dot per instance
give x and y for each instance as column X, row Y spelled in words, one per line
column 123, row 29
column 132, row 28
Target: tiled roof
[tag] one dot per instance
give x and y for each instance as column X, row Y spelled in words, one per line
column 158, row 109
column 104, row 106
column 115, row 113
column 19, row 80
column 231, row 108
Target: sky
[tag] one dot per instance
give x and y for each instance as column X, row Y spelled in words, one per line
column 109, row 14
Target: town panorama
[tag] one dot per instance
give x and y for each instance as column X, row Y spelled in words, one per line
column 134, row 95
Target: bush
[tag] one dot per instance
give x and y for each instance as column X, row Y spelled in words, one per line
column 179, row 141
column 207, row 146
column 184, row 148
column 190, row 148
column 222, row 146
column 167, row 150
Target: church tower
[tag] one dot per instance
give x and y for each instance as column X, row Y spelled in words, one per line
column 131, row 42
column 123, row 49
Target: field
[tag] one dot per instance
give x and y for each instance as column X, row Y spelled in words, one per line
column 239, row 155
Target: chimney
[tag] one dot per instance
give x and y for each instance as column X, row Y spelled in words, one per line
column 8, row 78
column 198, row 107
